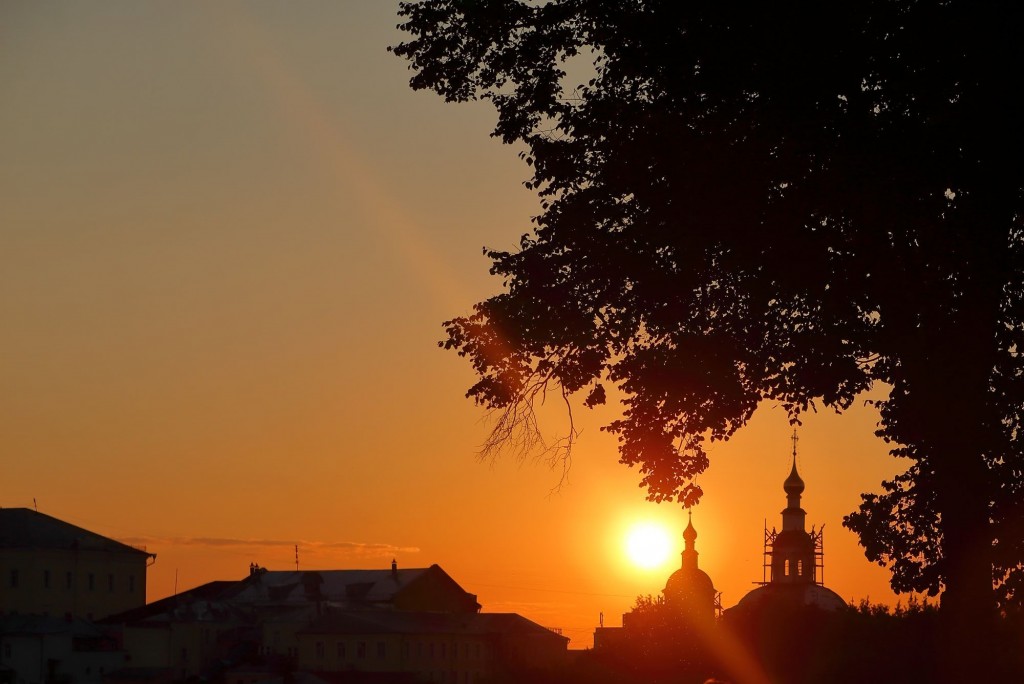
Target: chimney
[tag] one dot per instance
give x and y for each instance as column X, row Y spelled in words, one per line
column 394, row 569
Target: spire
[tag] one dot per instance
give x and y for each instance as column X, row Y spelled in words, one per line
column 793, row 516
column 689, row 536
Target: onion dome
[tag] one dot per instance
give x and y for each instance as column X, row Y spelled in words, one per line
column 689, row 534
column 793, row 484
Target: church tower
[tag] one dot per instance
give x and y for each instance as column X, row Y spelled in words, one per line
column 794, row 558
column 689, row 592
column 794, row 552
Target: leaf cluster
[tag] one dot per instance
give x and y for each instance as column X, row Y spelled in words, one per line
column 786, row 203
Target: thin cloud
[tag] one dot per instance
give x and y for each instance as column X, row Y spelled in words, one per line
column 357, row 548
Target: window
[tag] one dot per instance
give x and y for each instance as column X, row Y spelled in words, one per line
column 800, row 567
column 46, row 579
column 319, row 650
column 340, row 646
column 131, row 582
column 110, row 582
column 381, row 649
column 92, row 581
column 70, row 580
column 14, row 578
column 786, row 567
column 361, row 649
column 444, row 651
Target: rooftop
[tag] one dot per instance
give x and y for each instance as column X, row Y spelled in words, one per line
column 24, row 528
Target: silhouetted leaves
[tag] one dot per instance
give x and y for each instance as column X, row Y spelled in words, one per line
column 789, row 202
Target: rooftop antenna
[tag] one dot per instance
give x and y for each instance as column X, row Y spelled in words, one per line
column 35, row 505
column 296, row 556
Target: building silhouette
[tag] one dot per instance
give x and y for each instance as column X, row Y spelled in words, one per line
column 55, row 578
column 51, row 567
column 387, row 625
column 689, row 593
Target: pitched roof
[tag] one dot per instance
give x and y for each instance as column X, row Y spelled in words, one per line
column 162, row 609
column 350, row 588
column 421, row 622
column 342, row 586
column 23, row 528
column 287, row 595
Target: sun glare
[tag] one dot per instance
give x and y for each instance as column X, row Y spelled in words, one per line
column 648, row 545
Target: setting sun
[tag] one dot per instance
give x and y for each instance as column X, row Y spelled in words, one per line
column 648, row 545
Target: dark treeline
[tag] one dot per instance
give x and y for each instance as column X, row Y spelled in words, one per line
column 786, row 645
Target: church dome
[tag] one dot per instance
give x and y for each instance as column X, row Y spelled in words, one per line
column 689, row 534
column 793, row 484
column 777, row 595
column 687, row 583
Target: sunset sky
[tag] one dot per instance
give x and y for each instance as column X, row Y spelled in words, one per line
column 229, row 235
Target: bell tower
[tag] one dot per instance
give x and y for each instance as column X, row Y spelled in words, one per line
column 795, row 554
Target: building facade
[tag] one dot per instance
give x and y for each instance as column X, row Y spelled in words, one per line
column 50, row 567
column 452, row 648
column 41, row 649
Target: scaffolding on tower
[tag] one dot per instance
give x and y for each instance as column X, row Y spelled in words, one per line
column 769, row 541
column 818, row 537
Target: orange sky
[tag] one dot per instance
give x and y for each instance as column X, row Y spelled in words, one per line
column 229, row 234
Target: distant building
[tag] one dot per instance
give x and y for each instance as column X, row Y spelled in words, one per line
column 794, row 558
column 40, row 649
column 50, row 567
column 459, row 648
column 397, row 622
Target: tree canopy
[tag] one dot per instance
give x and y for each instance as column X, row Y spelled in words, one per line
column 793, row 202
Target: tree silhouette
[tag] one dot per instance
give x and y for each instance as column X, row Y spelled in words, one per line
column 791, row 202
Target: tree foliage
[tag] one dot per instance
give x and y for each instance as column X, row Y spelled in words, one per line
column 790, row 202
